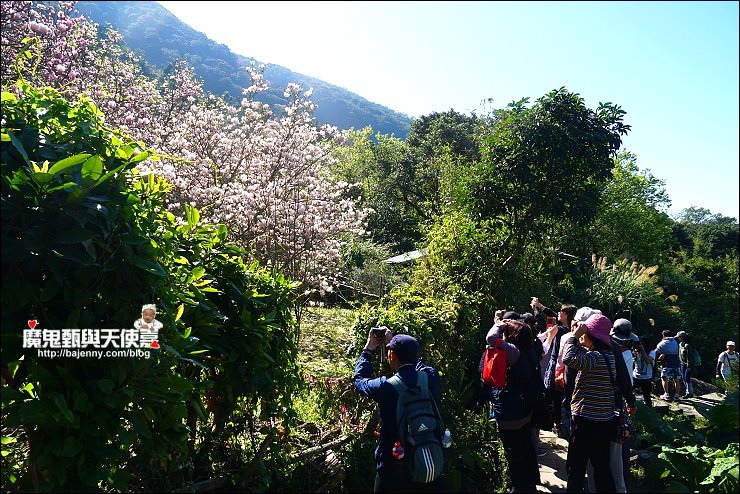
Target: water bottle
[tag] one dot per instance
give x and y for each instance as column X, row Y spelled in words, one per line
column 447, row 439
column 398, row 450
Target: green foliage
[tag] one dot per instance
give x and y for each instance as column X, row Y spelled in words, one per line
column 433, row 133
column 630, row 221
column 77, row 242
column 461, row 256
column 693, row 455
column 466, row 255
column 701, row 469
column 705, row 274
column 723, row 420
column 534, row 165
column 86, row 242
column 700, row 283
column 535, row 175
column 445, row 145
column 326, row 333
column 408, row 183
column 709, row 235
column 656, row 428
column 328, row 409
column 379, row 168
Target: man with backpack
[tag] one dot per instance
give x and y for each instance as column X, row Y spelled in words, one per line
column 409, row 455
column 667, row 352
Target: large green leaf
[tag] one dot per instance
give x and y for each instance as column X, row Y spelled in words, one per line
column 61, row 405
column 62, row 165
column 92, row 168
column 149, row 266
column 687, row 464
column 19, row 147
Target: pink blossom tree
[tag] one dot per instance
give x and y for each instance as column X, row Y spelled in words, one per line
column 266, row 177
column 263, row 175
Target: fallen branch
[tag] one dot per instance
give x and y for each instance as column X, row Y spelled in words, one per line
column 310, row 452
column 211, row 485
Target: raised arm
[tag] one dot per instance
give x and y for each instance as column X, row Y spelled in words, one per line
column 512, row 352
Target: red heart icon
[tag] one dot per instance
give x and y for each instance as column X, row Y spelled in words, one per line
column 154, row 344
column 32, row 323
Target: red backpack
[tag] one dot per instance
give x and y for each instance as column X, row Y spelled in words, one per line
column 494, row 365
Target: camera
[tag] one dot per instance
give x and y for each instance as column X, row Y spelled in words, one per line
column 379, row 332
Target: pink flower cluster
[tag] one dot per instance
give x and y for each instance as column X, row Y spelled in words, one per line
column 266, row 177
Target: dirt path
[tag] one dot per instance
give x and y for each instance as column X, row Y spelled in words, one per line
column 552, row 465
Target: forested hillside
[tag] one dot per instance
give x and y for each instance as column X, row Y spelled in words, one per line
column 151, row 30
column 259, row 241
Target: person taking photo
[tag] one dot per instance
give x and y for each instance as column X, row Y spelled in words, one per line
column 403, row 357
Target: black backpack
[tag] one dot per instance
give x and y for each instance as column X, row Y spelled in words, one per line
column 535, row 395
column 420, row 428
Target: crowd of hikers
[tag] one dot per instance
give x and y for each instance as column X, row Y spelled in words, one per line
column 535, row 366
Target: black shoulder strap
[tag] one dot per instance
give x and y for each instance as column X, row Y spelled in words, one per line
column 611, row 378
column 534, row 365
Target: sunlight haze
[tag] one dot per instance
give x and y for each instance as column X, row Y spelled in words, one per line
column 672, row 66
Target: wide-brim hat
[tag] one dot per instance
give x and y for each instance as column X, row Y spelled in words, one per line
column 598, row 326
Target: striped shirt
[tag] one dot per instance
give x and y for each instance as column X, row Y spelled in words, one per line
column 593, row 395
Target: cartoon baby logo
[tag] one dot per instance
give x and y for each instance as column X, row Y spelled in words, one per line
column 147, row 322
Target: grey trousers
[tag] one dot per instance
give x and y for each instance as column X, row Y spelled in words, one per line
column 615, row 462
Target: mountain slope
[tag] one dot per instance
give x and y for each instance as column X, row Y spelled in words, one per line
column 152, row 31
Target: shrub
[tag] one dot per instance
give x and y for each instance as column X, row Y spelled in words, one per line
column 86, row 242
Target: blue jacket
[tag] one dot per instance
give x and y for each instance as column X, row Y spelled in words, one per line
column 380, row 390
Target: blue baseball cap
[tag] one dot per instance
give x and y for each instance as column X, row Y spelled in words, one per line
column 406, row 347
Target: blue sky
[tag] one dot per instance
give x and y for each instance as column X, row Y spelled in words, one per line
column 672, row 66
